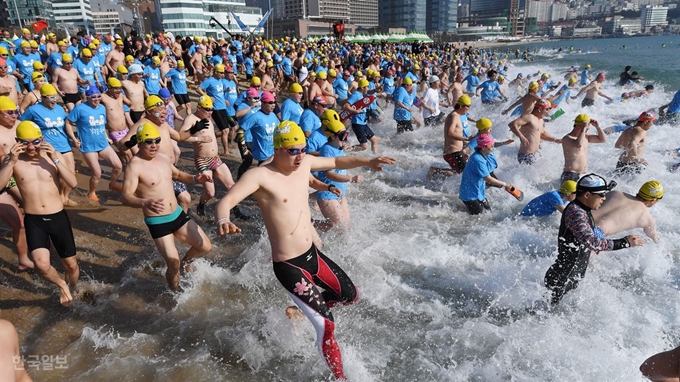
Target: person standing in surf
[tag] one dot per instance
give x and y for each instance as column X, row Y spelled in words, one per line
column 578, row 237
column 281, row 190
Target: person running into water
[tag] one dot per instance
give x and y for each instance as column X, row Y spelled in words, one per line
column 530, row 129
column 148, row 184
column 280, row 188
column 633, row 142
column 455, row 139
column 577, row 237
column 575, row 147
column 551, row 201
column 662, row 367
column 622, row 212
column 38, row 170
column 592, row 90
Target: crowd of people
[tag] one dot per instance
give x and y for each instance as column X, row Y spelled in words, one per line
column 287, row 106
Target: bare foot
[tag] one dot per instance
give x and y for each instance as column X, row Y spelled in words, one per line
column 65, row 298
column 25, row 264
column 116, row 187
column 70, row 203
column 173, row 281
column 93, row 197
column 294, row 313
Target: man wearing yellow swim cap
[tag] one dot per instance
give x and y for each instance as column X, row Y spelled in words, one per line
column 66, row 79
column 280, row 189
column 116, row 122
column 51, row 119
column 45, row 220
column 115, row 57
column 148, row 185
column 575, row 147
column 622, row 211
column 206, row 152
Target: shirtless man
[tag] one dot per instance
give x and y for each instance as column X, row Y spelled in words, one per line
column 280, row 189
column 66, row 81
column 633, row 142
column 156, row 113
column 38, row 169
column 8, row 83
column 116, row 124
column 268, row 82
column 327, row 89
column 531, row 130
column 456, row 90
column 454, row 139
column 9, row 210
column 197, row 64
column 622, row 212
column 527, row 101
column 575, row 147
column 51, row 44
column 115, row 58
column 314, row 88
column 152, row 191
column 205, row 153
column 592, row 90
column 135, row 91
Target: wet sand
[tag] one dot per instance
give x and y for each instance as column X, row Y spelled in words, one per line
column 122, row 283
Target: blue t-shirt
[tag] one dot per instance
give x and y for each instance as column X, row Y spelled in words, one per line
column 309, row 121
column 329, row 151
column 248, row 135
column 287, row 66
column 400, row 113
column 585, row 77
column 24, row 62
column 152, row 80
column 565, row 95
column 357, row 119
column 543, row 205
column 73, row 51
column 262, row 127
column 85, row 71
column 230, row 95
column 249, row 63
column 51, row 122
column 388, row 85
column 490, row 90
column 215, row 89
column 291, row 111
column 316, row 141
column 472, row 83
column 54, row 60
column 472, row 184
column 341, row 88
column 178, row 79
column 91, row 125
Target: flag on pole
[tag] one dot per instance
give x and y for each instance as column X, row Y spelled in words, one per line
column 240, row 23
column 68, row 35
column 263, row 21
column 39, row 25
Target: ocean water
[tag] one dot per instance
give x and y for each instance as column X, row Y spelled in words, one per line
column 443, row 295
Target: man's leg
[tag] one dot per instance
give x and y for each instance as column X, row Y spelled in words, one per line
column 223, row 174
column 11, row 215
column 41, row 258
column 92, row 161
column 65, row 188
column 166, row 246
column 662, row 367
column 109, row 155
column 192, row 234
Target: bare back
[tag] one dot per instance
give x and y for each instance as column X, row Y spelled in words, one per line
column 622, row 212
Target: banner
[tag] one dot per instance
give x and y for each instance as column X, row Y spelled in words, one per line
column 240, row 23
column 263, row 21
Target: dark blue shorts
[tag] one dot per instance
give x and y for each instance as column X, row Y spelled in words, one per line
column 363, row 132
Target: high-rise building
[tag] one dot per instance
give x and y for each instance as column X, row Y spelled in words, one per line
column 409, row 14
column 77, row 13
column 108, row 15
column 191, row 17
column 442, row 16
column 489, row 8
column 26, row 12
column 363, row 13
column 539, row 9
column 652, row 16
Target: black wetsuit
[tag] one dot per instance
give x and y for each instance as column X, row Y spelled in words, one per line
column 575, row 242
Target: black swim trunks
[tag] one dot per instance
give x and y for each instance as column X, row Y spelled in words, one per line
column 135, row 116
column 160, row 226
column 41, row 229
column 71, row 98
column 403, row 126
column 302, row 276
column 587, row 102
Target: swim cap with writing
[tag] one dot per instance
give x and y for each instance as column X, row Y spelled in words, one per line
column 28, row 130
column 287, row 134
column 147, row 130
column 651, row 190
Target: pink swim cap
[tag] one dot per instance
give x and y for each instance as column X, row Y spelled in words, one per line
column 485, row 140
column 267, row 96
column 252, row 92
